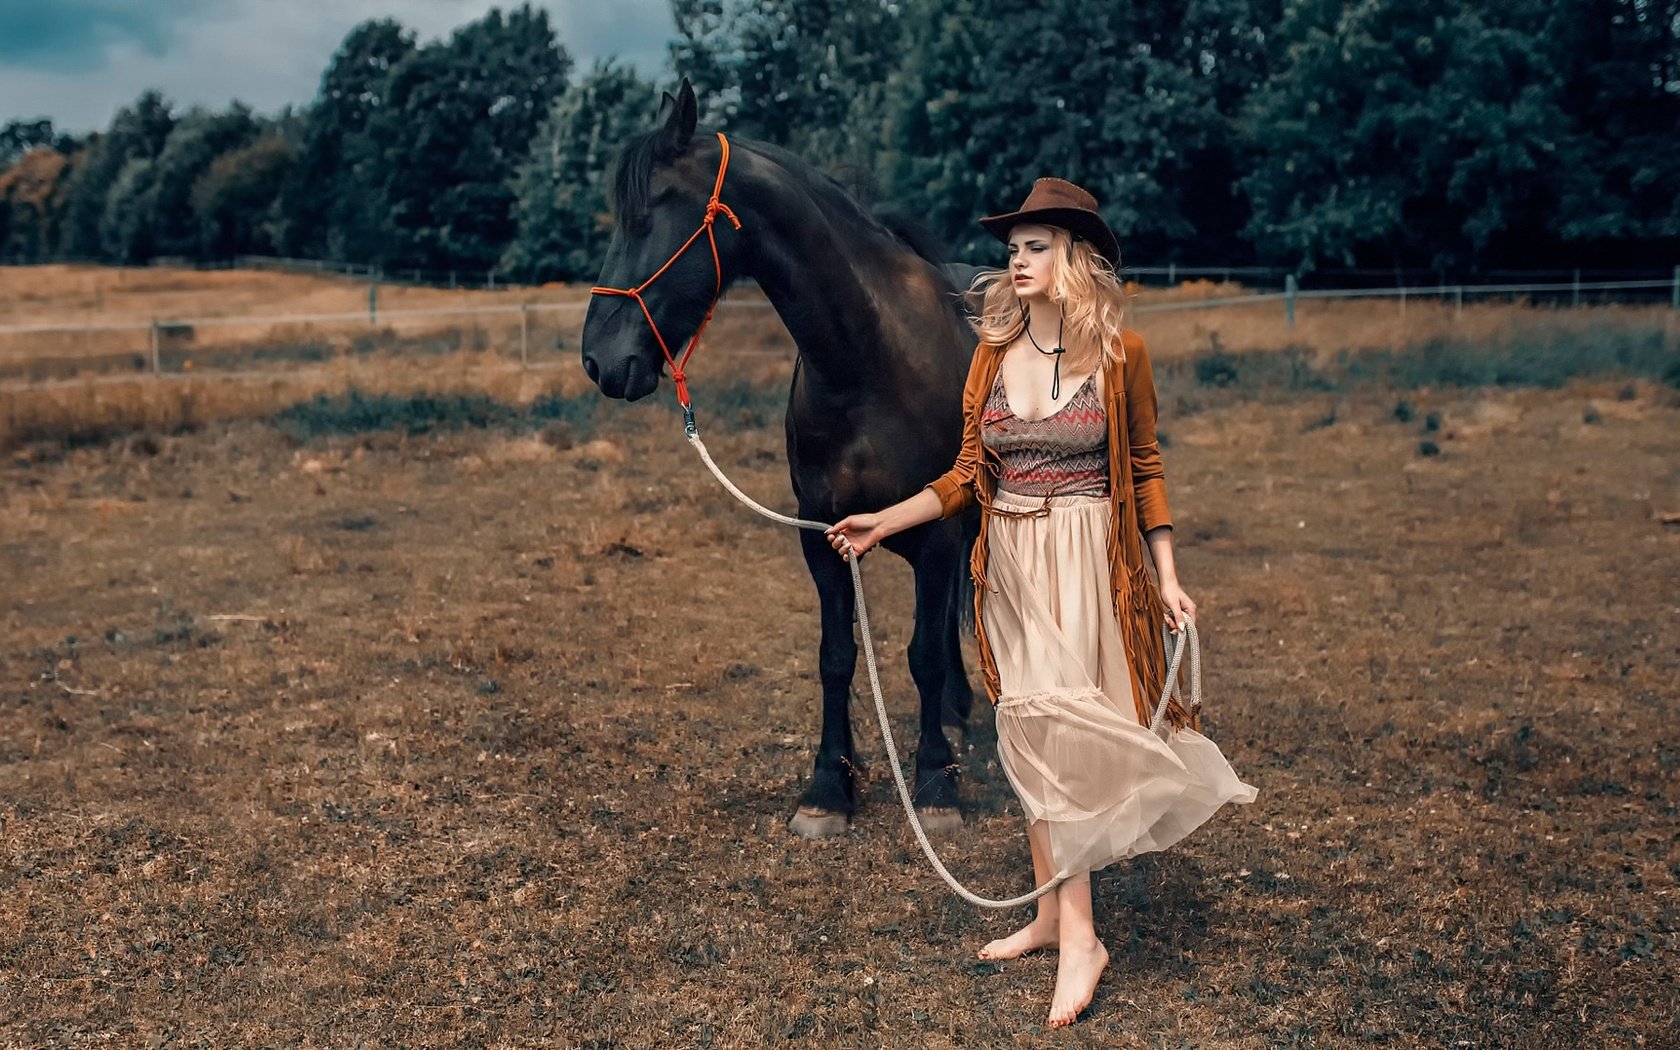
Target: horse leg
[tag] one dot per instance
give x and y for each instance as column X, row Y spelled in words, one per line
column 826, row 808
column 959, row 695
column 935, row 561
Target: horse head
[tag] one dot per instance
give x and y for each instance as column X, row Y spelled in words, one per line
column 660, row 279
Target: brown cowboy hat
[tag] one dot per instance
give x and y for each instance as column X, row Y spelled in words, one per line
column 1058, row 202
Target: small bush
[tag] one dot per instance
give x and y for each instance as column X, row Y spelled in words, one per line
column 356, row 412
column 577, row 412
column 1216, row 369
column 1530, row 356
column 740, row 404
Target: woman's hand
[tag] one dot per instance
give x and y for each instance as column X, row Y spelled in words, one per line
column 856, row 534
column 1179, row 606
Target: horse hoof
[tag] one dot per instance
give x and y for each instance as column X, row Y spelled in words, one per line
column 940, row 820
column 810, row 823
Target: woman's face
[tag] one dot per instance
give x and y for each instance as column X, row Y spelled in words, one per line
column 1029, row 261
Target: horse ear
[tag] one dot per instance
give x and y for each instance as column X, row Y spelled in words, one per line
column 677, row 119
column 690, row 106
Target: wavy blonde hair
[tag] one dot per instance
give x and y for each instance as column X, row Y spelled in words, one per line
column 1082, row 284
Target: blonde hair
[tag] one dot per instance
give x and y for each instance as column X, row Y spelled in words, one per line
column 1082, row 284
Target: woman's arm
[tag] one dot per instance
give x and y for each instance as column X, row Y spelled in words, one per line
column 857, row 533
column 1179, row 606
column 955, row 488
column 1149, row 484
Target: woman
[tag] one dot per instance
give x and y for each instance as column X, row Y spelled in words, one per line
column 1059, row 449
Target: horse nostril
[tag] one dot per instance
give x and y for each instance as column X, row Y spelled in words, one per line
column 591, row 369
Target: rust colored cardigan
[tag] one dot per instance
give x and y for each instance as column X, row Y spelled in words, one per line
column 1137, row 501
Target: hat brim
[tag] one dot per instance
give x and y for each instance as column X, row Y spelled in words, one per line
column 1077, row 221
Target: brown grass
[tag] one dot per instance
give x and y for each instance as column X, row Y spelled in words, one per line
column 483, row 740
column 1329, row 326
column 59, row 293
column 247, row 371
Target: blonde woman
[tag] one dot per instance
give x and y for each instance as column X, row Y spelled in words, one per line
column 1059, row 450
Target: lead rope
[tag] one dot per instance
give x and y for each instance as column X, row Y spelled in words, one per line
column 1188, row 637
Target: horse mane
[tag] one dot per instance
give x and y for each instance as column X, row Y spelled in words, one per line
column 917, row 237
column 632, row 175
column 627, row 193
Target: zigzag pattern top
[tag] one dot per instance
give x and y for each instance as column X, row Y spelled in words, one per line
column 1063, row 454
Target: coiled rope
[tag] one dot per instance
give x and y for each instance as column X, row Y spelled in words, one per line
column 1186, row 639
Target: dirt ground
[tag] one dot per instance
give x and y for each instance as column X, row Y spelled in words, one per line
column 489, row 738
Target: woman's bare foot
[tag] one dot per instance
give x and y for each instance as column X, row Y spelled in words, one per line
column 1040, row 933
column 1077, row 974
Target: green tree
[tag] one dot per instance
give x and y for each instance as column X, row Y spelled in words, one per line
column 1135, row 102
column 233, row 202
column 1617, row 67
column 137, row 132
column 326, row 204
column 458, row 122
column 806, row 74
column 195, row 142
column 1408, row 133
column 126, row 230
column 561, row 206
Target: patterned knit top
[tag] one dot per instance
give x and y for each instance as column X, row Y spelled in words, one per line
column 1063, row 454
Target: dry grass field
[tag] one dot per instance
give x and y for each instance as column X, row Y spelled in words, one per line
column 487, row 735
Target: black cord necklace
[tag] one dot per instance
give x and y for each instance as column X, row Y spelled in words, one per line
column 1056, row 352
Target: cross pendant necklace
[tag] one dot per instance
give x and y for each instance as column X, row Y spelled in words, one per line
column 1057, row 351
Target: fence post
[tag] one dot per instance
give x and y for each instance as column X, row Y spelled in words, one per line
column 157, row 366
column 1575, row 294
column 524, row 336
column 1402, row 300
column 1458, row 301
column 373, row 302
column 1172, row 274
column 491, row 280
column 1289, row 288
column 1674, row 290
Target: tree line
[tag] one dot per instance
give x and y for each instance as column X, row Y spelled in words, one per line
column 1461, row 135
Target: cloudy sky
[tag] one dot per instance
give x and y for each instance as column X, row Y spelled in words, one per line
column 78, row 61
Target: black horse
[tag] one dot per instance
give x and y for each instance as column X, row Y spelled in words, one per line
column 874, row 412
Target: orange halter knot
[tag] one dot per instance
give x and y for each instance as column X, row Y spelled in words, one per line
column 713, row 207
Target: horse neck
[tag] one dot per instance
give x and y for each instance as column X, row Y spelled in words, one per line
column 826, row 270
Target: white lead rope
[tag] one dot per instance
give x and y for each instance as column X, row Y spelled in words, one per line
column 1188, row 636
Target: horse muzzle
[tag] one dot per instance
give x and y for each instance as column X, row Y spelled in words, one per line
column 628, row 379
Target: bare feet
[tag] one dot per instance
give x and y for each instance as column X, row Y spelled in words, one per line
column 1076, row 981
column 1040, row 933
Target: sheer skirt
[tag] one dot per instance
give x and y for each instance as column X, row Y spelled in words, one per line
column 1068, row 735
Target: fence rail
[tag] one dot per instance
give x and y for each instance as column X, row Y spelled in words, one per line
column 374, row 316
column 162, row 330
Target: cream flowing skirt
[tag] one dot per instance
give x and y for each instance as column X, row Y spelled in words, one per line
column 1067, row 728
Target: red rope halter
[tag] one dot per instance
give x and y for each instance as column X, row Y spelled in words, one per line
column 713, row 207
